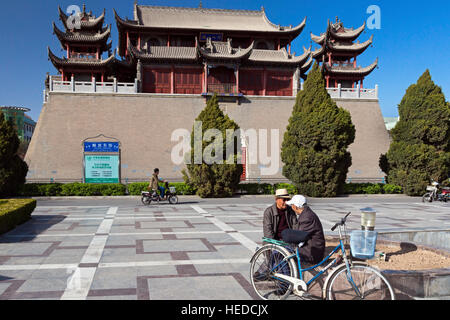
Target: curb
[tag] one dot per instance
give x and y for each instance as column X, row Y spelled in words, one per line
column 395, row 196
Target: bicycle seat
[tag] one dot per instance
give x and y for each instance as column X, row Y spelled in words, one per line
column 294, row 236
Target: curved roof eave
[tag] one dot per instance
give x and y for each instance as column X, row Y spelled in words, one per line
column 349, row 34
column 95, row 23
column 361, row 71
column 243, row 54
column 64, row 36
column 358, row 47
column 58, row 62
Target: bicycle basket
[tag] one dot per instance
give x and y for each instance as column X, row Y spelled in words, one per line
column 363, row 243
column 172, row 189
column 430, row 188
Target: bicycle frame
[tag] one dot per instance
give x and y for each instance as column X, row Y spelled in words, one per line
column 340, row 246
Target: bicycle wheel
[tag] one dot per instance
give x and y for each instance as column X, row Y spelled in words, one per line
column 370, row 282
column 173, row 199
column 428, row 197
column 267, row 261
column 146, row 200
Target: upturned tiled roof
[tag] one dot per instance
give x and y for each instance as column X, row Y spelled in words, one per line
column 164, row 53
column 350, row 70
column 206, row 19
column 355, row 47
column 82, row 36
column 88, row 23
column 338, row 33
column 224, row 50
column 61, row 62
column 278, row 57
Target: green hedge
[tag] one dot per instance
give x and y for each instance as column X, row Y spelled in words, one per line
column 14, row 212
column 182, row 188
column 135, row 189
column 372, row 188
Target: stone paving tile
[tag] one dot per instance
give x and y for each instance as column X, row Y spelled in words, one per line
column 160, row 252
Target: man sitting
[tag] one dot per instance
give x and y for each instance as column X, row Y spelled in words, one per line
column 313, row 250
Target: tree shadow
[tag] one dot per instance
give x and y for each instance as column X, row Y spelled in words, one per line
column 405, row 247
column 30, row 229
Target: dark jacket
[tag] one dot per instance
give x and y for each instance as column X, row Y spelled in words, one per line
column 272, row 218
column 314, row 248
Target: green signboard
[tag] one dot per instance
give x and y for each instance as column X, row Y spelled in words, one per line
column 101, row 168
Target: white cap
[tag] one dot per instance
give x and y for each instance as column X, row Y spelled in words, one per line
column 297, row 200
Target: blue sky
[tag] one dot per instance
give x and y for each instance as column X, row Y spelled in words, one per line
column 414, row 36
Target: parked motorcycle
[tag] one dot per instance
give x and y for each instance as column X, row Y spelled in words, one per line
column 434, row 195
column 170, row 195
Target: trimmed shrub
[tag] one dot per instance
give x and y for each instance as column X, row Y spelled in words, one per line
column 292, row 189
column 256, row 188
column 216, row 174
column 40, row 190
column 392, row 189
column 314, row 148
column 420, row 150
column 14, row 212
column 80, row 189
column 374, row 189
column 13, row 169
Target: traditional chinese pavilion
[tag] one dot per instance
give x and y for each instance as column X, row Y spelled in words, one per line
column 154, row 85
column 338, row 55
column 84, row 40
column 203, row 51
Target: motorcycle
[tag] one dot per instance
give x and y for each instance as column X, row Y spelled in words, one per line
column 433, row 195
column 170, row 195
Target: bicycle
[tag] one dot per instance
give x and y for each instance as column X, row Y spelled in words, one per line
column 275, row 274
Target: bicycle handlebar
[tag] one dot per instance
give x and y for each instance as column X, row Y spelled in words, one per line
column 340, row 223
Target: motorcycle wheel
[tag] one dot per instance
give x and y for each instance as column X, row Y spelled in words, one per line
column 427, row 197
column 173, row 199
column 146, row 200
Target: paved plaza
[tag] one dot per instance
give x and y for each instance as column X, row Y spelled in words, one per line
column 197, row 250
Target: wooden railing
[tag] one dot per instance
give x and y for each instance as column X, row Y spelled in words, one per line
column 222, row 88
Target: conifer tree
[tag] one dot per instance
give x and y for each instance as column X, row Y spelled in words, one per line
column 213, row 171
column 420, row 148
column 13, row 169
column 314, row 149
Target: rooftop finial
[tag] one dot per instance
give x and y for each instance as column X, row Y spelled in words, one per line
column 200, row 5
column 84, row 8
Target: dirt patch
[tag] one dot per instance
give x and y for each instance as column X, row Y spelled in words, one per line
column 405, row 256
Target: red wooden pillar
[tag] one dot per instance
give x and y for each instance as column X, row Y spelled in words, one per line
column 103, row 77
column 126, row 49
column 264, row 81
column 139, row 42
column 354, row 62
column 279, row 44
column 237, row 80
column 205, row 83
column 362, row 83
column 67, row 48
column 168, row 40
column 172, row 79
column 328, row 81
